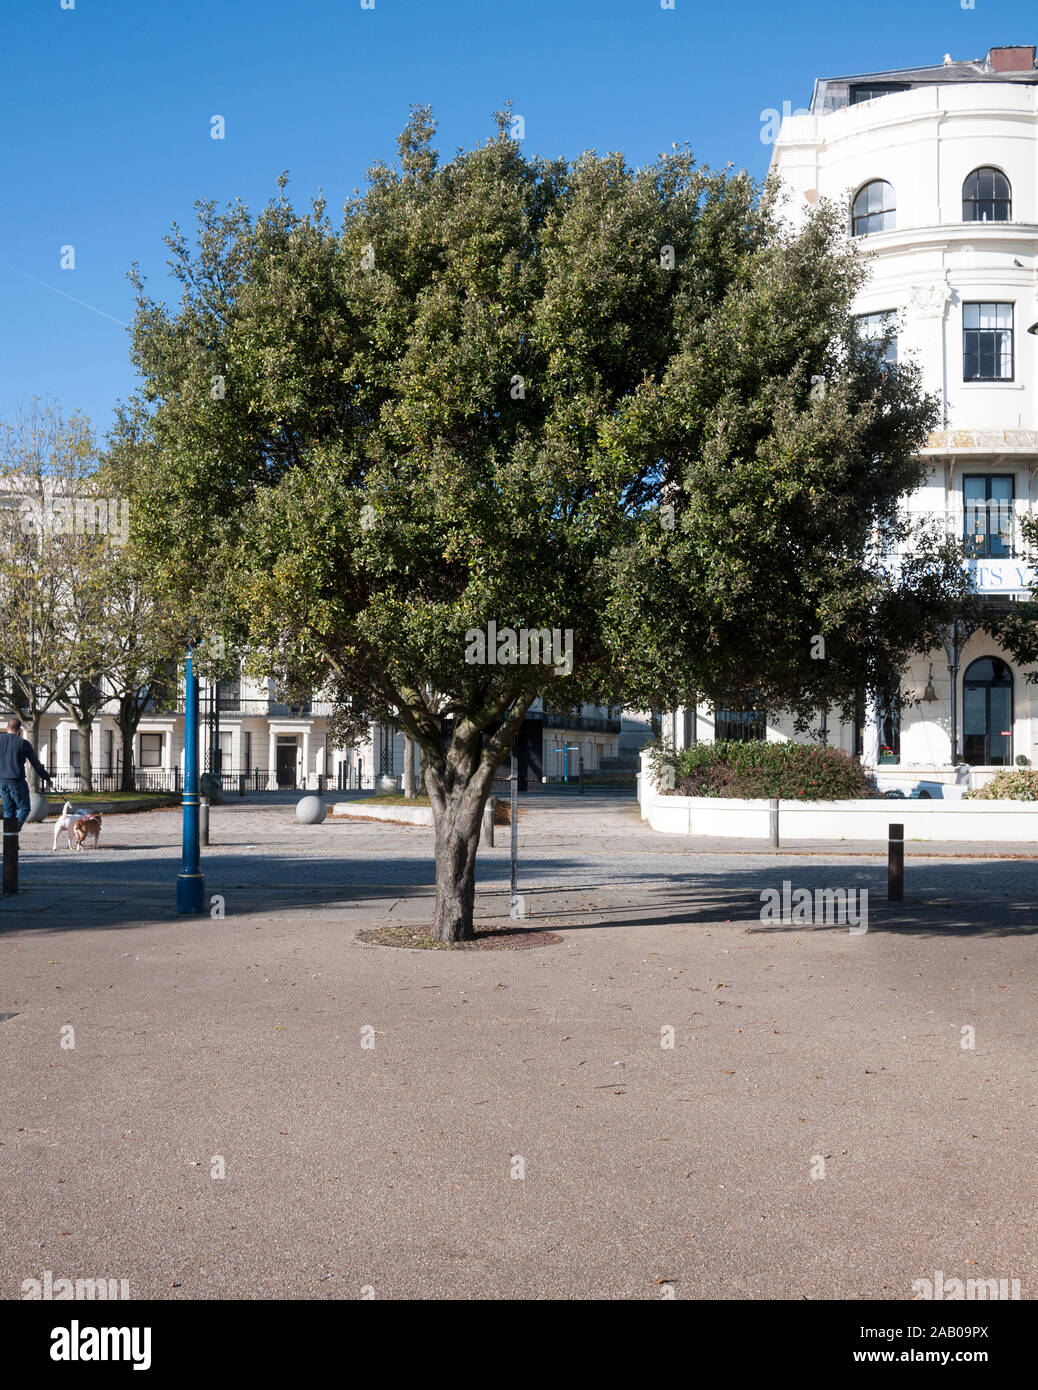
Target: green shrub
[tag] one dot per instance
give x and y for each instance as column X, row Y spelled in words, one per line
column 1010, row 784
column 810, row 772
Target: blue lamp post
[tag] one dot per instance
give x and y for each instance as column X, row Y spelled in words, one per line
column 190, row 881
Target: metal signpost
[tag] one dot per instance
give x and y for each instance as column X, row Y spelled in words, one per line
column 190, row 882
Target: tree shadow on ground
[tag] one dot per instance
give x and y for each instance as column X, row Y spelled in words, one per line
column 969, row 897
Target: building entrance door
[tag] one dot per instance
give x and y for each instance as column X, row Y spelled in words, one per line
column 286, row 765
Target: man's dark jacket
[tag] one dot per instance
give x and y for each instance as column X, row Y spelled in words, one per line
column 14, row 750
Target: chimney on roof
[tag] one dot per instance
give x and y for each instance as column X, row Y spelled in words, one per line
column 1016, row 58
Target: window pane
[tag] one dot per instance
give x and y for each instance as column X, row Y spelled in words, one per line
column 151, row 750
column 1001, row 487
column 1000, row 732
column 987, row 342
column 875, row 326
column 873, row 208
column 986, row 196
column 974, row 488
column 739, row 726
column 974, row 710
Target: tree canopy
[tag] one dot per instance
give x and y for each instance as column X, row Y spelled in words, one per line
column 569, row 397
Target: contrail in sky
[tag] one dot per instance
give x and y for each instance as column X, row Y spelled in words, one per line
column 93, row 307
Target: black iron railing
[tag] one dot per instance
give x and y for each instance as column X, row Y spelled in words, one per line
column 588, row 722
column 252, row 709
column 144, row 780
column 233, row 781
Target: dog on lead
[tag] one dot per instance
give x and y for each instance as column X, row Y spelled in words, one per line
column 66, row 821
column 85, row 827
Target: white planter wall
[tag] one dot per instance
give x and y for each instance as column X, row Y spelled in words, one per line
column 993, row 821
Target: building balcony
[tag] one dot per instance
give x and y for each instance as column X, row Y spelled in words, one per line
column 234, row 707
column 586, row 722
column 994, row 549
column 1003, row 443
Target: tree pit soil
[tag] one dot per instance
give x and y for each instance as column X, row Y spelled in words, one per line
column 416, row 937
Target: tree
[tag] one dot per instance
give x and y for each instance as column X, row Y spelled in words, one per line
column 46, row 550
column 1017, row 627
column 92, row 628
column 409, row 775
column 141, row 664
column 521, row 426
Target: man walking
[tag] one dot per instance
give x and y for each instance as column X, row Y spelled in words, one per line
column 14, row 789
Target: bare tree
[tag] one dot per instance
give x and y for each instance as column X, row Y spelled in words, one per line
column 45, row 464
column 141, row 666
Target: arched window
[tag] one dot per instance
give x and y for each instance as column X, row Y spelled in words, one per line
column 873, row 208
column 986, row 196
column 987, row 713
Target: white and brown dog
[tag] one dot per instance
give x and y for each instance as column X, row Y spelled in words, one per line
column 86, row 826
column 66, row 821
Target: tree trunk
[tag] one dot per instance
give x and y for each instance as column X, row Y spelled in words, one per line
column 409, row 751
column 86, row 753
column 458, row 785
column 33, row 777
column 127, row 729
column 457, row 819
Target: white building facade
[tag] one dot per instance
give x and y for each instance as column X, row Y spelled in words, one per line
column 275, row 746
column 937, row 169
column 271, row 744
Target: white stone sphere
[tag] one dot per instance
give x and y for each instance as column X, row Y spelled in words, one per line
column 311, row 810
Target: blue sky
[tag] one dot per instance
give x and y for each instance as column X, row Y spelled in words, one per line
column 106, row 111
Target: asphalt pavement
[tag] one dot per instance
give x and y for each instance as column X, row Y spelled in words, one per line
column 678, row 1097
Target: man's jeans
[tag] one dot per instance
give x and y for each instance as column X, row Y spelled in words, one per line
column 15, row 797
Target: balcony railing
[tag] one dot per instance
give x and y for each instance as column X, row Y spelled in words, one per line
column 234, row 707
column 273, row 709
column 588, row 722
column 987, row 531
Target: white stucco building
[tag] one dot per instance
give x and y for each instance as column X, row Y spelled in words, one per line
column 937, row 169
column 279, row 746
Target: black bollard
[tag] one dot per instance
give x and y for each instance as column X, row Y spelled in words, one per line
column 896, row 863
column 241, row 783
column 10, row 855
column 203, row 820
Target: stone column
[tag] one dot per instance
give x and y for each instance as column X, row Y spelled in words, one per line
column 306, row 760
column 272, row 761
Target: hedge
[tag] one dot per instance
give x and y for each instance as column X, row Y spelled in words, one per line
column 1010, row 784
column 807, row 771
